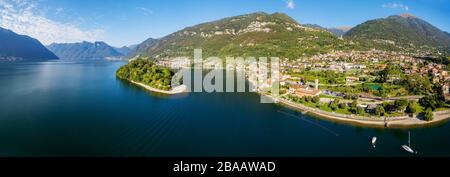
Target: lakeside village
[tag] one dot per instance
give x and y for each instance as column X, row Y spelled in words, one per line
column 369, row 85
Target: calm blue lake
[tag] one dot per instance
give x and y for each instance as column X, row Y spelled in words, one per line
column 79, row 108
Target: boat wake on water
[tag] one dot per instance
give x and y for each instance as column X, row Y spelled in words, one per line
column 308, row 121
column 374, row 139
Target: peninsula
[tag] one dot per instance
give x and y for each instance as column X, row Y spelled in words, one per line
column 150, row 76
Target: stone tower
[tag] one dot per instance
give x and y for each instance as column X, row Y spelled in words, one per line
column 317, row 84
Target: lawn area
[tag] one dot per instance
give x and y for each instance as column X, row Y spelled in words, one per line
column 393, row 114
column 442, row 109
column 343, row 111
column 387, row 90
column 325, row 77
column 324, row 107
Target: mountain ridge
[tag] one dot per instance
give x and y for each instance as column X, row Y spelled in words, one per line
column 405, row 30
column 14, row 46
column 256, row 34
column 84, row 50
column 337, row 31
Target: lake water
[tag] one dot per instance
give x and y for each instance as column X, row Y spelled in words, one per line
column 66, row 108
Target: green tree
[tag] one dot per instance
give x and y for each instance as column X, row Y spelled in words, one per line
column 360, row 110
column 389, row 107
column 334, row 104
column 413, row 107
column 316, row 99
column 400, row 105
column 382, row 92
column 390, row 70
column 432, row 101
column 428, row 115
column 308, row 99
column 379, row 111
column 354, row 104
column 146, row 72
column 417, row 84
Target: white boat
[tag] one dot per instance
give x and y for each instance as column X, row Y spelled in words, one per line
column 408, row 148
column 374, row 141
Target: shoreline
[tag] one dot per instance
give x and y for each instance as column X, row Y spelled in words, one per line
column 174, row 91
column 380, row 122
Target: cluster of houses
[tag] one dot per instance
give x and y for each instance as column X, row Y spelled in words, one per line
column 304, row 90
column 446, row 90
column 334, row 61
column 341, row 61
column 372, row 56
column 436, row 71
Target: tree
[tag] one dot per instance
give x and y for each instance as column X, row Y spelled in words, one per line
column 390, row 70
column 307, row 99
column 351, row 97
column 428, row 115
column 413, row 107
column 400, row 105
column 360, row 110
column 146, row 72
column 389, row 107
column 334, row 104
column 354, row 104
column 431, row 101
column 382, row 92
column 316, row 99
column 379, row 111
column 417, row 84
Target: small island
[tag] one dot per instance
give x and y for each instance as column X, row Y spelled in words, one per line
column 147, row 74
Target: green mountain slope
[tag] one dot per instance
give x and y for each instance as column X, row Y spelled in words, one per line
column 258, row 35
column 405, row 31
column 142, row 47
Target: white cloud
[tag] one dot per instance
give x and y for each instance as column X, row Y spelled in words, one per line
column 394, row 5
column 290, row 4
column 144, row 10
column 23, row 17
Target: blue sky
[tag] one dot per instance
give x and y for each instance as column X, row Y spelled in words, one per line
column 126, row 22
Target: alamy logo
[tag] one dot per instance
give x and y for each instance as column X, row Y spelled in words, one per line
column 208, row 75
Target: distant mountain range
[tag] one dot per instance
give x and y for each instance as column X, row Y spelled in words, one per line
column 257, row 34
column 85, row 50
column 125, row 50
column 338, row 31
column 142, row 47
column 20, row 47
column 405, row 31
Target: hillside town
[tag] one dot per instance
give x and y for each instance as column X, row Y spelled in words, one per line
column 366, row 83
